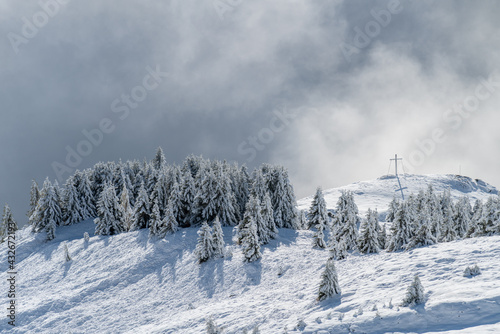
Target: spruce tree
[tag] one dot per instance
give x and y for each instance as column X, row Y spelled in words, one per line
column 171, row 224
column 319, row 236
column 159, row 161
column 204, row 247
column 346, row 220
column 48, row 213
column 401, row 229
column 73, row 211
column 477, row 213
column 393, row 207
column 338, row 250
column 155, row 221
column 110, row 213
column 250, row 243
column 283, row 199
column 424, row 236
column 382, row 236
column 142, row 211
column 303, row 222
column 128, row 210
column 368, row 241
column 462, row 216
column 9, row 225
column 218, row 239
column 415, row 293
column 34, row 197
column 188, row 193
column 268, row 217
column 253, row 214
column 329, row 285
column 175, row 200
column 317, row 212
column 448, row 232
column 486, row 225
column 86, row 199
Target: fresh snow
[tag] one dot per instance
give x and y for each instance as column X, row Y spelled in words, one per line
column 128, row 283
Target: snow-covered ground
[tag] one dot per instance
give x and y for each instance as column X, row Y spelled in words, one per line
column 377, row 194
column 130, row 284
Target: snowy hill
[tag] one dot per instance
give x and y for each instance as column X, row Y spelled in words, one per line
column 378, row 193
column 128, row 283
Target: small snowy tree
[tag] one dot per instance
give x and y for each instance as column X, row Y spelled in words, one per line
column 472, row 271
column 476, row 214
column 368, row 241
column 319, row 236
column 415, row 293
column 159, row 161
column 253, row 213
column 462, row 216
column 34, row 197
column 250, row 243
column 317, row 212
column 448, row 231
column 86, row 236
column 268, row 217
column 169, row 222
column 204, row 247
column 401, row 229
column 218, row 239
column 212, row 327
column 303, row 222
column 8, row 225
column 329, row 285
column 128, row 210
column 393, row 207
column 487, row 224
column 110, row 213
column 86, row 198
column 67, row 257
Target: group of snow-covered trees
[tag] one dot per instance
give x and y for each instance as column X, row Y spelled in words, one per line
column 428, row 218
column 423, row 219
column 344, row 233
column 132, row 195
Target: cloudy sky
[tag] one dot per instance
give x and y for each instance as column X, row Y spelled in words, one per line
column 330, row 89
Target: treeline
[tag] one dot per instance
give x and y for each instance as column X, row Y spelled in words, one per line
column 423, row 219
column 127, row 196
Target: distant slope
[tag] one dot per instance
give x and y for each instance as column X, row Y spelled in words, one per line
column 378, row 193
column 129, row 284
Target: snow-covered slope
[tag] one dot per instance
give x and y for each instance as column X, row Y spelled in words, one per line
column 378, row 193
column 130, row 284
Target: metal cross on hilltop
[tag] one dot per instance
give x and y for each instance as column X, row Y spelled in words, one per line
column 397, row 176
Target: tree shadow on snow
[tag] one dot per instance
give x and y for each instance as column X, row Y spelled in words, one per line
column 285, row 237
column 206, row 278
column 253, row 273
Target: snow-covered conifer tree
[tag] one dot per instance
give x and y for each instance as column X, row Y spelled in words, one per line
column 319, row 236
column 128, row 210
column 142, row 211
column 175, row 200
column 160, row 193
column 415, row 293
column 159, row 161
column 283, row 199
column 303, row 222
column 73, row 211
column 218, row 239
column 490, row 216
column 448, row 232
column 48, row 211
column 171, row 224
column 67, row 257
column 253, row 214
column 424, row 236
column 9, row 225
column 317, row 212
column 401, row 229
column 345, row 220
column 86, row 199
column 109, row 221
column 204, row 247
column 382, row 236
column 259, row 185
column 368, row 240
column 338, row 249
column 250, row 243
column 476, row 214
column 155, row 221
column 393, row 207
column 212, row 327
column 329, row 285
column 462, row 216
column 34, row 197
column 268, row 217
column 188, row 193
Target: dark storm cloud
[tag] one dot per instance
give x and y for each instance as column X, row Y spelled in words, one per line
column 227, row 77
